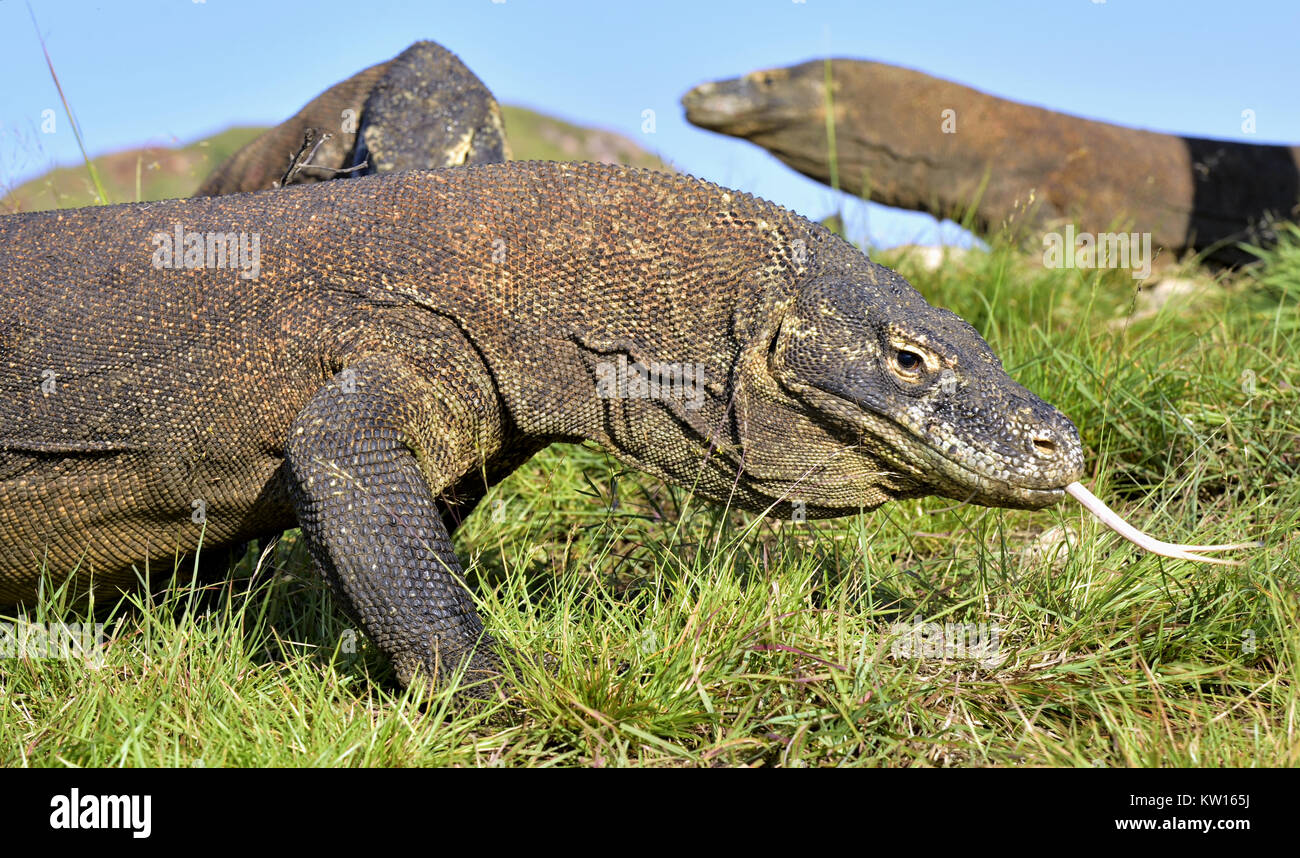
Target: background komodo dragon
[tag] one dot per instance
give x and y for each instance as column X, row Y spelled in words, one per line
column 421, row 110
column 411, row 338
column 1189, row 193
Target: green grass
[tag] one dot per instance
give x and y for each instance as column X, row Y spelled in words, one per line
column 687, row 635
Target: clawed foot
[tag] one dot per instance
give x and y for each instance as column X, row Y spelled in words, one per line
column 486, row 683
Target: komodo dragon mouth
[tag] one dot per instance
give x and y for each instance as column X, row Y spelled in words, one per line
column 1040, row 497
column 1110, row 518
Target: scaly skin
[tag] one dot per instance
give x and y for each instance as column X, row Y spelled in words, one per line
column 1022, row 165
column 412, row 338
column 422, row 109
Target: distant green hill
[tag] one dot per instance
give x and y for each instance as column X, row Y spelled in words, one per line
column 535, row 136
column 163, row 172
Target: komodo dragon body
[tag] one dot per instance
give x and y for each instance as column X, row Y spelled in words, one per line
column 410, row 339
column 422, row 109
column 904, row 138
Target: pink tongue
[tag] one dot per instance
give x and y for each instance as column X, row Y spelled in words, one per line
column 1111, row 519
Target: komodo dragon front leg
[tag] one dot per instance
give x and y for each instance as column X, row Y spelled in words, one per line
column 366, row 459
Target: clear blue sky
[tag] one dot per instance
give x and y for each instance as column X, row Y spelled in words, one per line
column 177, row 70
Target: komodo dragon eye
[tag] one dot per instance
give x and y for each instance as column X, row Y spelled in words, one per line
column 909, row 363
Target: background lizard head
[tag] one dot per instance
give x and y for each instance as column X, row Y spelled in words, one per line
column 759, row 102
column 864, row 393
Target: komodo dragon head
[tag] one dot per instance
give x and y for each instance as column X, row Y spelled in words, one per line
column 859, row 392
column 900, row 399
column 759, row 103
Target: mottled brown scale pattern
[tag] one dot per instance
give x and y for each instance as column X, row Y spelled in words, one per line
column 412, row 338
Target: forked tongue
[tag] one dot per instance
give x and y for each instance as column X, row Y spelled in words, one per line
column 1111, row 519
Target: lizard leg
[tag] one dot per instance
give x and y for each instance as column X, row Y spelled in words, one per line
column 366, row 459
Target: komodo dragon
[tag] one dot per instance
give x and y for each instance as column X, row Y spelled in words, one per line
column 423, row 109
column 364, row 358
column 890, row 140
